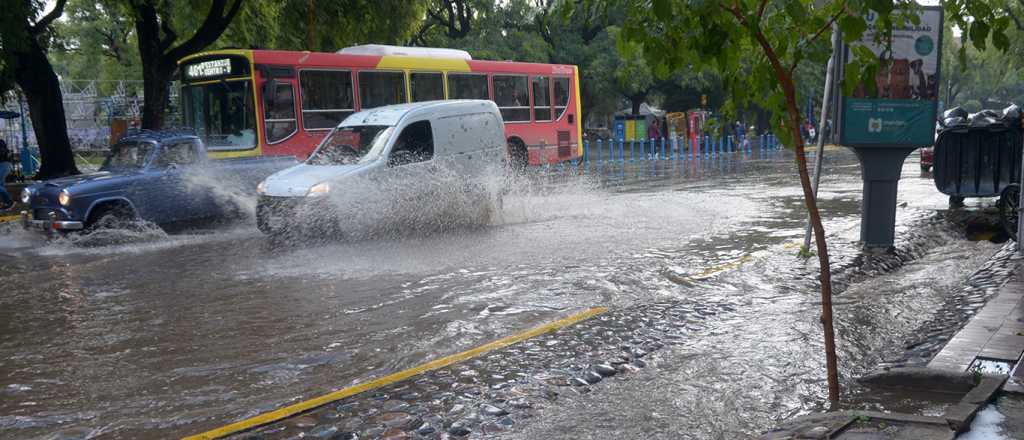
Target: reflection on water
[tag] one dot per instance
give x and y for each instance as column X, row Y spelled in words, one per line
column 172, row 335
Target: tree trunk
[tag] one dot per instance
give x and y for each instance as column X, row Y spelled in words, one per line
column 636, row 100
column 825, row 274
column 156, row 87
column 39, row 83
column 789, row 90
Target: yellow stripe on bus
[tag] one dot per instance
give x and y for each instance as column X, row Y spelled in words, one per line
column 421, row 63
column 288, row 411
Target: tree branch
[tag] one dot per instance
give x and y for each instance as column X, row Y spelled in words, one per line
column 826, row 25
column 760, row 9
column 1016, row 19
column 211, row 29
column 44, row 22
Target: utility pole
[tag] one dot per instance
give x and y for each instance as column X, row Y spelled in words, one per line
column 826, row 102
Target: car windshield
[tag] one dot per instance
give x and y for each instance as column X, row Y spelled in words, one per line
column 351, row 145
column 127, row 155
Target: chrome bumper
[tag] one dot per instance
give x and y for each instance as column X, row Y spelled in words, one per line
column 51, row 224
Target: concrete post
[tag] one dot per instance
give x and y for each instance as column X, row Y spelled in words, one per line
column 880, row 170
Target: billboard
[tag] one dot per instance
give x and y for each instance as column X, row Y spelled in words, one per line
column 902, row 110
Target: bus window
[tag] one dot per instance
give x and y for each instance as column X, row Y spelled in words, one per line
column 426, row 86
column 326, row 97
column 279, row 113
column 511, row 93
column 541, row 99
column 561, row 96
column 381, row 88
column 467, row 86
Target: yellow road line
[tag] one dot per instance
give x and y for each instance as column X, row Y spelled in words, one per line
column 307, row 405
column 9, row 218
column 720, row 268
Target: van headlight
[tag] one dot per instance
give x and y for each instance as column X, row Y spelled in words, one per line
column 26, row 196
column 64, row 198
column 319, row 190
column 261, row 188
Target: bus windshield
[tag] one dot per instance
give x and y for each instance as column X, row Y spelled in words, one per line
column 351, row 145
column 222, row 113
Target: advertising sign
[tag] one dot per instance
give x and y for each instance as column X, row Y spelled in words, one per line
column 901, row 111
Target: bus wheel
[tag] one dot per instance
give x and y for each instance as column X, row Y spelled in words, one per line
column 518, row 157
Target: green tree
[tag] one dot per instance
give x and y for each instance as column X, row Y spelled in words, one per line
column 96, row 41
column 160, row 46
column 24, row 43
column 756, row 46
column 329, row 25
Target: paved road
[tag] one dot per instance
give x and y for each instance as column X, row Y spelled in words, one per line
column 171, row 335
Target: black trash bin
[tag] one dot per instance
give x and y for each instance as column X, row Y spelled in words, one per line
column 978, row 155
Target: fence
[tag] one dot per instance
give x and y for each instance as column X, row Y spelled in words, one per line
column 678, row 148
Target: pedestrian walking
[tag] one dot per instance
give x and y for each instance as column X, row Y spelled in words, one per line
column 6, row 164
column 654, row 129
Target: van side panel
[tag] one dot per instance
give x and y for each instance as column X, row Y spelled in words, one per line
column 473, row 141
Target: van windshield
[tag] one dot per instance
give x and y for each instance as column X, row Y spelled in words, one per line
column 351, row 145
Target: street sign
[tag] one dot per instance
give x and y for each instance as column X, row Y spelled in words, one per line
column 901, row 111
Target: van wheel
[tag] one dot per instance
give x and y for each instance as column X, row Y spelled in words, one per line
column 518, row 157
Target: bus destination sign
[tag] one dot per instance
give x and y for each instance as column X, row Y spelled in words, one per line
column 207, row 69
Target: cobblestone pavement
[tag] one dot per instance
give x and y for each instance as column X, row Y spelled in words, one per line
column 504, row 388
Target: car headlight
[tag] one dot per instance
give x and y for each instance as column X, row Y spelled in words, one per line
column 26, row 196
column 319, row 190
column 260, row 188
column 64, row 198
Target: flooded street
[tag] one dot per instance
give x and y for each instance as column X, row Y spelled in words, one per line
column 183, row 333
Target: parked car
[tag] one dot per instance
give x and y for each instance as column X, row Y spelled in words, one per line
column 163, row 177
column 400, row 150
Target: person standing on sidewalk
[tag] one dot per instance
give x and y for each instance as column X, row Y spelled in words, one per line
column 5, row 168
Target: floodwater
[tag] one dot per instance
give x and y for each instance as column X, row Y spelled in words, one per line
column 174, row 334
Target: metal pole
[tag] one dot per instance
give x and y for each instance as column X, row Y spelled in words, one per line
column 1020, row 208
column 826, row 102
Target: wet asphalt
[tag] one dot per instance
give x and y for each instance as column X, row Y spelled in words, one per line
column 167, row 335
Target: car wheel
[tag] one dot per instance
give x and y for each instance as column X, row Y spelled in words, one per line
column 110, row 217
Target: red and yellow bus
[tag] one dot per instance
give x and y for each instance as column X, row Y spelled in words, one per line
column 270, row 102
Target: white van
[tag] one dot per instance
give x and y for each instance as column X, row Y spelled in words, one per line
column 407, row 143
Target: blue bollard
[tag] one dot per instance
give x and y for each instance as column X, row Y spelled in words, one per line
column 632, row 150
column 622, row 147
column 586, row 152
column 664, row 152
column 760, row 145
column 599, row 151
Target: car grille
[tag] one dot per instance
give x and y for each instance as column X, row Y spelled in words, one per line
column 42, row 213
column 280, row 206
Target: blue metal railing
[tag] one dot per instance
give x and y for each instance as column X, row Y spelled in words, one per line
column 610, row 151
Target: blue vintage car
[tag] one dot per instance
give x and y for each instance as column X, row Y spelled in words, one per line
column 163, row 177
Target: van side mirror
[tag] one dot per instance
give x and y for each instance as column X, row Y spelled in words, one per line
column 269, row 91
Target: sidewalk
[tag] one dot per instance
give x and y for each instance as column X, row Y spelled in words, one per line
column 992, row 341
column 980, row 364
